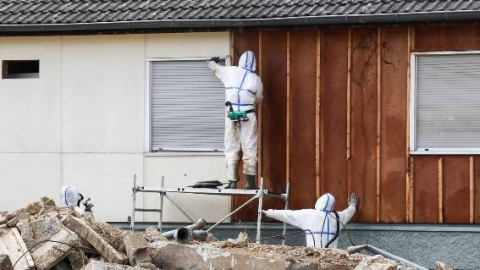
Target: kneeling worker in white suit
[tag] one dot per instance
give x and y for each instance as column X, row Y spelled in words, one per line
column 243, row 89
column 320, row 224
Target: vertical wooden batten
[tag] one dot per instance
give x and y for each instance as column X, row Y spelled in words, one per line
column 379, row 121
column 472, row 189
column 260, row 111
column 289, row 110
column 318, row 105
column 409, row 176
column 440, row 190
column 349, row 105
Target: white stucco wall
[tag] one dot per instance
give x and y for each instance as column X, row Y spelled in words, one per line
column 83, row 122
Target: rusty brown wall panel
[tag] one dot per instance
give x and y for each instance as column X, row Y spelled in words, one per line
column 333, row 132
column 447, row 38
column 244, row 41
column 426, row 189
column 364, row 121
column 274, row 65
column 456, row 183
column 302, row 118
column 394, row 55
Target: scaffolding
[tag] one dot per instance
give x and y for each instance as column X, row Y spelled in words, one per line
column 255, row 194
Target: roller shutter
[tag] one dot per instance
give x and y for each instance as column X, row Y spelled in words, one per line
column 187, row 107
column 447, row 100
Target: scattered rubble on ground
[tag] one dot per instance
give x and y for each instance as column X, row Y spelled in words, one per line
column 45, row 236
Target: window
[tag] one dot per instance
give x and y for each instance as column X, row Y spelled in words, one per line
column 445, row 103
column 187, row 106
column 20, row 69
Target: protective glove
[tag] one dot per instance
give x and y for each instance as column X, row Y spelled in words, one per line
column 264, row 212
column 211, row 64
column 215, row 59
column 353, row 200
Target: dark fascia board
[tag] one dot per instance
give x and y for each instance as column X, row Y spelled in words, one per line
column 355, row 19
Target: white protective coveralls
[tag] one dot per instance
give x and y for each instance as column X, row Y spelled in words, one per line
column 321, row 221
column 243, row 88
column 69, row 196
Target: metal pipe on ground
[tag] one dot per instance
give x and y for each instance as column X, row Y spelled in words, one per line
column 186, row 234
column 375, row 250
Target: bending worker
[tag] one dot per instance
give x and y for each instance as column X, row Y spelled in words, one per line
column 320, row 224
column 243, row 89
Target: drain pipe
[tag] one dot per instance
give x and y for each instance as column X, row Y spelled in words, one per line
column 375, row 250
column 188, row 233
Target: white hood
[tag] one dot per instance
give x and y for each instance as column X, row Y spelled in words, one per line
column 248, row 61
column 325, row 203
column 71, row 197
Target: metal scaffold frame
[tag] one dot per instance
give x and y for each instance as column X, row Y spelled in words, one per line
column 163, row 191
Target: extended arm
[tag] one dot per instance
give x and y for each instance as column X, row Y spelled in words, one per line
column 217, row 69
column 293, row 217
column 347, row 214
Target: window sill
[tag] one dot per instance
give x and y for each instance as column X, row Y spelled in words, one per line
column 446, row 152
column 183, row 154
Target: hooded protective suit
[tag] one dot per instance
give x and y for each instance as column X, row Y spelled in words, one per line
column 243, row 88
column 71, row 197
column 321, row 221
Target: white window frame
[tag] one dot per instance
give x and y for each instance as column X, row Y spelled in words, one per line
column 148, row 124
column 413, row 117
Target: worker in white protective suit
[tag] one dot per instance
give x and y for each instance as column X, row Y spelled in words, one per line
column 243, row 89
column 70, row 197
column 320, row 224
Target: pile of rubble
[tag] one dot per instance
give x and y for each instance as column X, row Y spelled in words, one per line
column 45, row 236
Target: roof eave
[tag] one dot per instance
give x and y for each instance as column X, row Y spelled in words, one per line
column 443, row 16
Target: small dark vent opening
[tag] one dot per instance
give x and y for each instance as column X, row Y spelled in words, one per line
column 20, row 69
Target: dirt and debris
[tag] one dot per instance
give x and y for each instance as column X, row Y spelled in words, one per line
column 43, row 235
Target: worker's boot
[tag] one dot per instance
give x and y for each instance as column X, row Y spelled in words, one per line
column 250, row 182
column 232, row 184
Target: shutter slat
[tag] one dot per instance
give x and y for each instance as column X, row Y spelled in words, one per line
column 448, row 101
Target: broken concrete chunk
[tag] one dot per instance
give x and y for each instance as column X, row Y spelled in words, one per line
column 33, row 208
column 50, row 253
column 5, row 263
column 146, row 265
column 12, row 222
column 11, row 216
column 152, row 235
column 23, row 216
column 137, row 249
column 442, row 266
column 379, row 262
column 39, row 230
column 86, row 232
column 11, row 244
column 77, row 259
column 48, row 201
column 97, row 265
